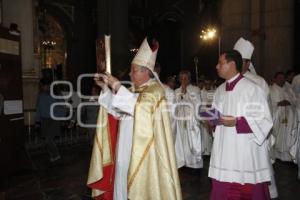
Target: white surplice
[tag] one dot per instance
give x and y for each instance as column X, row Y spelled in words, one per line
column 121, row 105
column 285, row 121
column 242, row 158
column 188, row 134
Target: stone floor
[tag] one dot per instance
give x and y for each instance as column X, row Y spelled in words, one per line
column 66, row 178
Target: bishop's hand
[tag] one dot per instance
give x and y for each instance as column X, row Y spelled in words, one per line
column 113, row 82
column 101, row 80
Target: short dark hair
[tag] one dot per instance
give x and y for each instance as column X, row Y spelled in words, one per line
column 278, row 73
column 235, row 56
column 289, row 72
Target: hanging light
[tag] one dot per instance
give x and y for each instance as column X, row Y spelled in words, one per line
column 208, row 34
column 211, row 34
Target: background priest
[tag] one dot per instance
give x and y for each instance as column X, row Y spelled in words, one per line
column 284, row 106
column 188, row 134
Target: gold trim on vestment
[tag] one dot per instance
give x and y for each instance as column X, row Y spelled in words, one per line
column 152, row 172
column 139, row 165
column 102, row 152
column 158, row 103
column 99, row 146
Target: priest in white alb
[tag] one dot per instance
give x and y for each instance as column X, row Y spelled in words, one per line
column 284, row 106
column 188, row 134
column 207, row 94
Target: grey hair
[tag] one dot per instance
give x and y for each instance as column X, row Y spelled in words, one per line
column 188, row 73
column 151, row 75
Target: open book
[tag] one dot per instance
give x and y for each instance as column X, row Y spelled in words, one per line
column 212, row 115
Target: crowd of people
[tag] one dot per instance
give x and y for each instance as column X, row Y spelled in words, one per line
column 244, row 124
column 146, row 132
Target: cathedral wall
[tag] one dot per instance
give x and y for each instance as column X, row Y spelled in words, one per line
column 268, row 24
column 21, row 12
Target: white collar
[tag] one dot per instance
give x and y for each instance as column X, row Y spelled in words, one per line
column 233, row 78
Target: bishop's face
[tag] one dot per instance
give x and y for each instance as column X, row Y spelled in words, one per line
column 223, row 67
column 246, row 64
column 138, row 75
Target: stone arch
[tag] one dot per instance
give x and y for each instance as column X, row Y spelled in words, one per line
column 175, row 15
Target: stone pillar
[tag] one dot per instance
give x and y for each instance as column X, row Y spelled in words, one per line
column 257, row 29
column 235, row 22
column 268, row 25
column 279, row 36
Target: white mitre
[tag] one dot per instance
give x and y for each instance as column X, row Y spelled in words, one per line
column 145, row 56
column 252, row 69
column 246, row 49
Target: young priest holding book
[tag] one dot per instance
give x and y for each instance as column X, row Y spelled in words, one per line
column 239, row 164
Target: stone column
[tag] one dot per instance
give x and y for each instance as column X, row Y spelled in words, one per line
column 257, row 29
column 279, row 36
column 268, row 24
column 235, row 22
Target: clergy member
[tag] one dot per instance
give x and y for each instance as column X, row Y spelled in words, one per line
column 246, row 48
column 284, row 106
column 239, row 165
column 188, row 134
column 207, row 94
column 145, row 158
